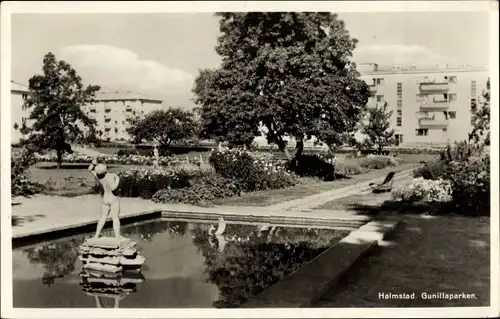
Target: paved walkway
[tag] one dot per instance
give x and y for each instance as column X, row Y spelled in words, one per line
column 312, row 201
column 429, row 255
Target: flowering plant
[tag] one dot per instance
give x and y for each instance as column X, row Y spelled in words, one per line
column 145, row 182
column 252, row 171
column 424, row 190
column 121, row 159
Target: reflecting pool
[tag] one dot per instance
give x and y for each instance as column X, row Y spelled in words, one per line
column 188, row 265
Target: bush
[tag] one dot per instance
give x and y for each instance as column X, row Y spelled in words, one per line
column 470, row 182
column 20, row 182
column 251, row 171
column 349, row 168
column 378, row 161
column 431, row 170
column 204, row 189
column 316, row 165
column 145, row 182
column 422, row 190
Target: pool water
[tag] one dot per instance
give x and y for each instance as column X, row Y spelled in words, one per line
column 185, row 266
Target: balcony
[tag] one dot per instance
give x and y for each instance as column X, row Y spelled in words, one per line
column 432, row 86
column 436, row 104
column 431, row 121
column 373, row 88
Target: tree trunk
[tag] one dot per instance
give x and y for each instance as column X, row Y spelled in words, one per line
column 59, row 158
column 299, row 149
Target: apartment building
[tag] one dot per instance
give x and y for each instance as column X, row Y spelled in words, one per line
column 430, row 105
column 112, row 111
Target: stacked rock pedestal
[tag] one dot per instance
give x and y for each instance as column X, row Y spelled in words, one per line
column 111, row 267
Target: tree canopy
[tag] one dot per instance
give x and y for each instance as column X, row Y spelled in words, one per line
column 481, row 118
column 164, row 127
column 378, row 128
column 55, row 99
column 290, row 73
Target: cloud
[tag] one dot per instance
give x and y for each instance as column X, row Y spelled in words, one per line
column 388, row 54
column 113, row 67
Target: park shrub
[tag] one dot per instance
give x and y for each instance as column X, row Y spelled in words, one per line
column 145, row 182
column 467, row 168
column 204, row 188
column 20, row 182
column 251, row 171
column 320, row 165
column 378, row 161
column 423, row 190
column 348, row 168
column 433, row 170
column 470, row 182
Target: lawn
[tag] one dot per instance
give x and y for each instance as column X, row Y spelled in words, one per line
column 428, row 255
column 271, row 197
column 70, row 180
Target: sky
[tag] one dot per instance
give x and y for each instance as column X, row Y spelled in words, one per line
column 160, row 54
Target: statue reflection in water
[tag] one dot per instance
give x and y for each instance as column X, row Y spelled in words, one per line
column 104, row 286
column 111, row 269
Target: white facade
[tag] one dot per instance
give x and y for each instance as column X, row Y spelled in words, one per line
column 112, row 110
column 430, row 106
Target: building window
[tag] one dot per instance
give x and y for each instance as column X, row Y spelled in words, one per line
column 400, row 90
column 379, row 81
column 422, row 132
column 107, row 129
column 473, row 104
column 420, row 97
column 24, row 96
column 129, row 110
column 452, row 97
column 473, row 88
column 452, row 79
column 400, row 104
column 452, row 115
column 399, row 138
column 380, row 98
column 399, row 118
column 445, row 129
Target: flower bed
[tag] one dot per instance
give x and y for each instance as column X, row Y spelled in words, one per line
column 121, row 160
column 20, row 182
column 424, row 190
column 203, row 189
column 251, row 171
column 145, row 182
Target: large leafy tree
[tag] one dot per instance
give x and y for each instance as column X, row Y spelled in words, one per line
column 287, row 72
column 378, row 128
column 164, row 127
column 481, row 118
column 55, row 99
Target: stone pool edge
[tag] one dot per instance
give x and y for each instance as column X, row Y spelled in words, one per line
column 305, row 287
column 345, row 222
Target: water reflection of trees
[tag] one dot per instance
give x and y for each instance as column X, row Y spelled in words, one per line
column 253, row 261
column 58, row 258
